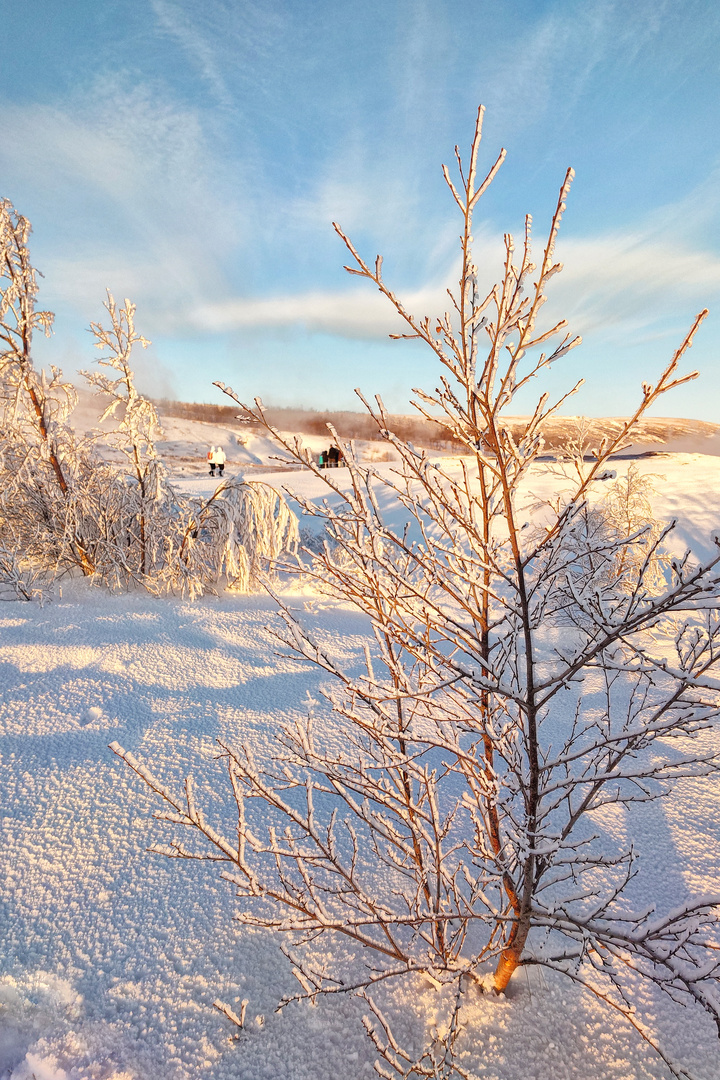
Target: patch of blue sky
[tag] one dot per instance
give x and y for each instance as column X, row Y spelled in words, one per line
column 192, row 156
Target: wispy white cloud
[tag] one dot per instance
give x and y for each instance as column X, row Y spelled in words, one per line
column 180, row 22
column 146, row 162
column 138, row 196
column 629, row 280
column 224, row 41
column 637, row 277
column 547, row 62
column 611, row 283
column 351, row 313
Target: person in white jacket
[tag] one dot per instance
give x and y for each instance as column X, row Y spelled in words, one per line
column 219, row 459
column 211, row 459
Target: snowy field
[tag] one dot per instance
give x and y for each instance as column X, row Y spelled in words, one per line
column 110, row 957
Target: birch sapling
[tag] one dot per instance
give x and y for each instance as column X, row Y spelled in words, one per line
column 138, row 426
column 517, row 681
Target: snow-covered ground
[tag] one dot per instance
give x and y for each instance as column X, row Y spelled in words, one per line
column 110, row 957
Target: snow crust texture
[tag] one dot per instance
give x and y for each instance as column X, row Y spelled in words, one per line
column 110, row 957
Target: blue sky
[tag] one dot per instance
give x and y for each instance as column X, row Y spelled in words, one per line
column 192, row 157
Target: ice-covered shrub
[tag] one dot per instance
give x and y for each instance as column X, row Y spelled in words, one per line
column 19, row 580
column 238, row 534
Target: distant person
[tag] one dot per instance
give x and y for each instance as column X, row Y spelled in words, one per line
column 211, row 459
column 333, row 457
column 322, row 460
column 220, row 459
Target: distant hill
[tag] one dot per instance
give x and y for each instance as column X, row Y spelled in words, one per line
column 658, row 434
column 191, row 428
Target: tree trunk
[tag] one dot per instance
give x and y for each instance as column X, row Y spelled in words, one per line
column 81, row 553
column 510, row 956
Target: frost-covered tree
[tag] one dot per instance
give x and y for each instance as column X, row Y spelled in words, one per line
column 523, row 673
column 161, row 538
column 40, row 512
column 138, row 426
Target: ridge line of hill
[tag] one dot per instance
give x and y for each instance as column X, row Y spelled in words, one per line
column 359, row 425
